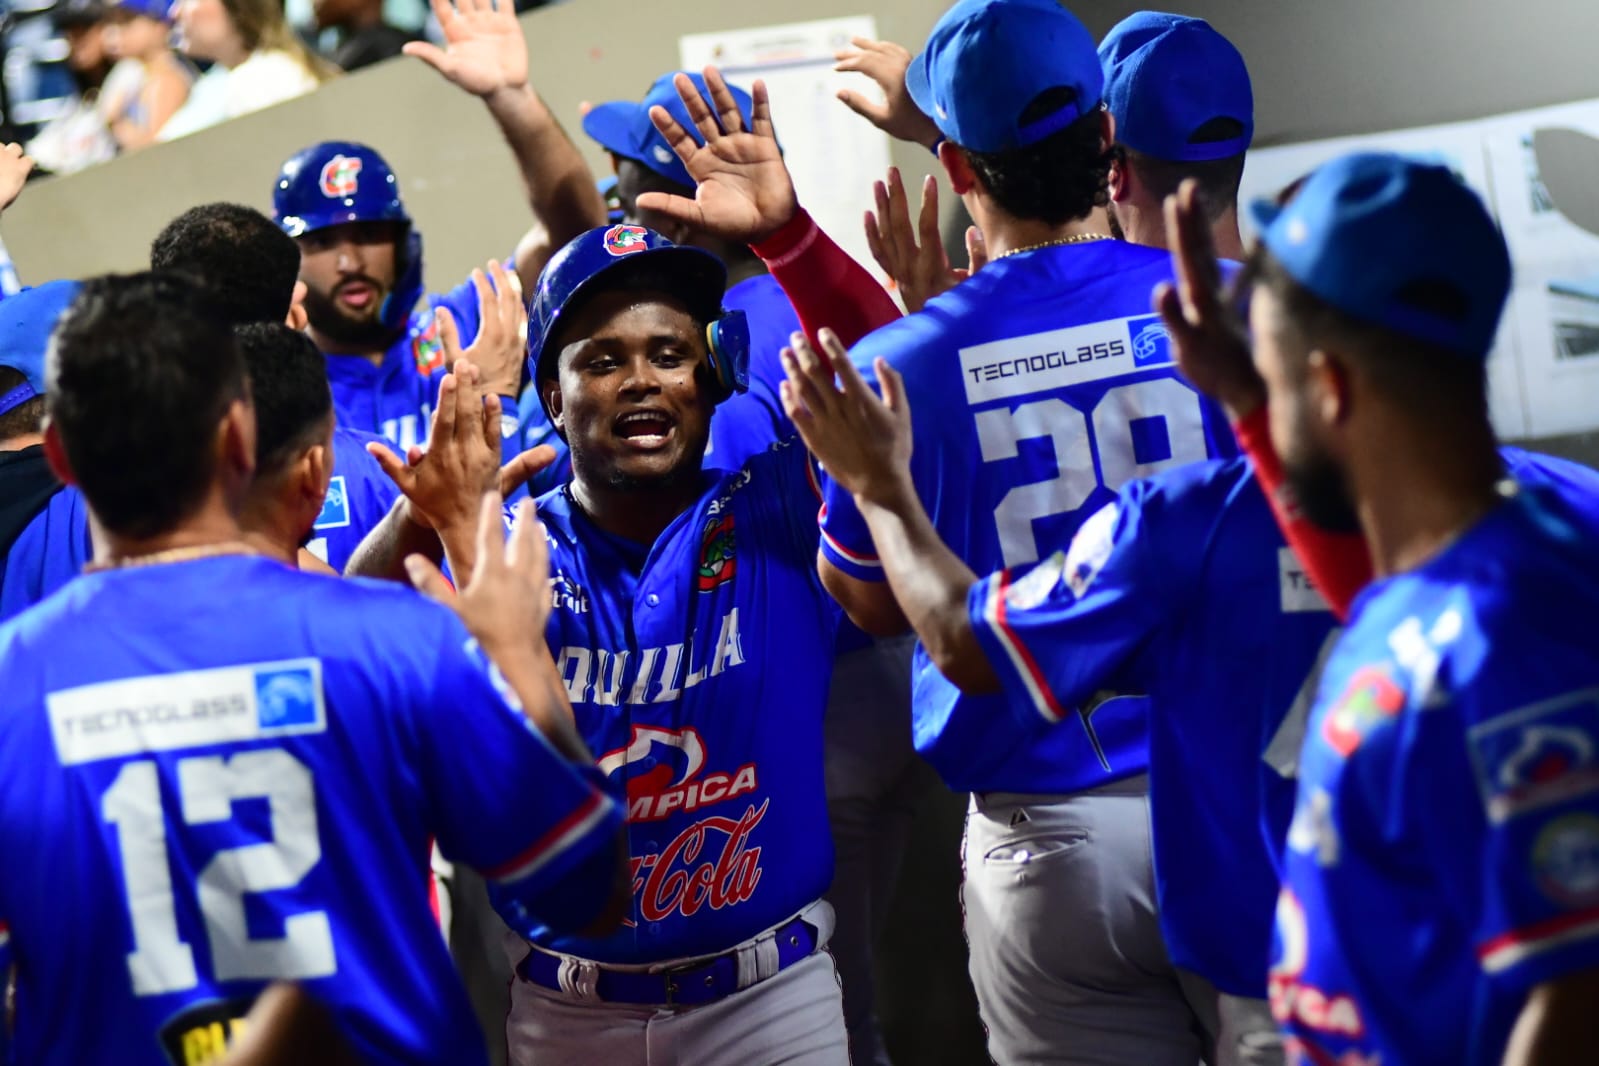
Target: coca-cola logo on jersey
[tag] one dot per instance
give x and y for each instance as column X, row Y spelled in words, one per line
column 707, row 864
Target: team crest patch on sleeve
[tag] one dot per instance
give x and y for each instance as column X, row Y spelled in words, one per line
column 625, row 240
column 1091, row 549
column 427, row 347
column 717, row 562
column 340, row 177
column 1371, row 698
column 1565, row 860
column 1538, row 756
column 1034, row 587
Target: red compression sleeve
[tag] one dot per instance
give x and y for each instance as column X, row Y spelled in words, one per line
column 826, row 286
column 1338, row 563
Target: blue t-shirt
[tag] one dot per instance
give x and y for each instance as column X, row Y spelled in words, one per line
column 359, row 495
column 1038, row 388
column 1182, row 589
column 218, row 773
column 698, row 672
column 50, row 551
column 1444, row 853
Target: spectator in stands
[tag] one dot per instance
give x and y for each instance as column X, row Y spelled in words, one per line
column 258, row 61
column 139, row 30
column 363, row 36
column 80, row 136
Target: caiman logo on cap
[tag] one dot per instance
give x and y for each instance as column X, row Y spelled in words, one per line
column 339, row 176
column 625, row 240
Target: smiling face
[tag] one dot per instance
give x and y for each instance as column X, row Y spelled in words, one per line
column 628, row 392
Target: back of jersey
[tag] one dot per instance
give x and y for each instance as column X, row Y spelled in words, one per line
column 1038, row 388
column 221, row 773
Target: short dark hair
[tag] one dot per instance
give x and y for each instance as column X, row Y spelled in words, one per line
column 249, row 265
column 141, row 372
column 1058, row 179
column 289, row 387
column 1218, row 178
column 25, row 418
column 1427, row 376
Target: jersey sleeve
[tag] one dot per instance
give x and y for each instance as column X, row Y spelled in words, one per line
column 1064, row 630
column 1539, row 865
column 506, row 802
column 827, row 287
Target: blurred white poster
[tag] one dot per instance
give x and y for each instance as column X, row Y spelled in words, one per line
column 834, row 154
column 1536, row 171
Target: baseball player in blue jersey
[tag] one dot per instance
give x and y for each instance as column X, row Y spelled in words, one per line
column 1440, row 892
column 251, row 270
column 1038, row 388
column 695, row 643
column 44, row 527
column 218, row 773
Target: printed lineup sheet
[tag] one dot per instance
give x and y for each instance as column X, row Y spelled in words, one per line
column 1535, row 171
column 833, row 154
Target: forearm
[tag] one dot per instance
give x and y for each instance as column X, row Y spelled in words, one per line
column 381, row 553
column 931, row 584
column 560, row 187
column 825, row 286
column 531, row 674
column 1339, row 564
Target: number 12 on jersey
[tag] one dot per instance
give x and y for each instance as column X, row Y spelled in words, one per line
column 208, row 786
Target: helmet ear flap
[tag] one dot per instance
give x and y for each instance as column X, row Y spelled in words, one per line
column 401, row 300
column 728, row 354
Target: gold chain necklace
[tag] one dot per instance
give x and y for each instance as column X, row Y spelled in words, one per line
column 1076, row 238
column 175, row 555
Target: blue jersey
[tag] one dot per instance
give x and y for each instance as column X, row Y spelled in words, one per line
column 1444, row 854
column 359, row 495
column 50, row 551
column 223, row 772
column 1038, row 388
column 698, row 671
column 1182, row 589
column 748, row 424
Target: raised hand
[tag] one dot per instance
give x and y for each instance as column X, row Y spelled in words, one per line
column 885, row 63
column 863, row 442
column 443, row 484
column 914, row 255
column 744, row 191
column 1208, row 337
column 500, row 347
column 484, row 50
column 506, row 599
column 15, row 167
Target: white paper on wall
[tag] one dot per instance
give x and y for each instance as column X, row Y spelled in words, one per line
column 833, row 154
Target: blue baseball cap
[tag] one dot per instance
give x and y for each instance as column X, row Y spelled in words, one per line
column 1166, row 76
column 160, row 10
column 1396, row 242
column 986, row 60
column 624, row 127
column 26, row 322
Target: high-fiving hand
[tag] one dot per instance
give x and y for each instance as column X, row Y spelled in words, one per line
column 1208, row 337
column 885, row 63
column 862, row 441
column 744, row 191
column 484, row 50
column 913, row 255
column 443, row 484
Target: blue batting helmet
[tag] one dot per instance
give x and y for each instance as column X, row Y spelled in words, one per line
column 336, row 182
column 609, row 257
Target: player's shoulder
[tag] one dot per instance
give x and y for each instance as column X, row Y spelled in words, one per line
column 763, row 300
column 1575, row 482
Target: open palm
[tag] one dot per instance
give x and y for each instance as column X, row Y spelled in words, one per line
column 484, row 50
column 744, row 191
